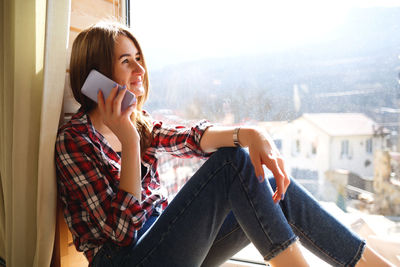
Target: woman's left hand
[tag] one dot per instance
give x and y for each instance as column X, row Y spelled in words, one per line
column 263, row 151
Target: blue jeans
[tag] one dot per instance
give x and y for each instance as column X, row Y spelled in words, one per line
column 221, row 209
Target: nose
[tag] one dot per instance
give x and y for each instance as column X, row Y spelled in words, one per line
column 137, row 68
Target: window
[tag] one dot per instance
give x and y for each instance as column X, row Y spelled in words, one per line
column 344, row 152
column 368, row 146
column 298, row 146
column 313, row 148
column 236, row 62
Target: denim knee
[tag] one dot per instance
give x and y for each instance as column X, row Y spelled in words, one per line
column 231, row 154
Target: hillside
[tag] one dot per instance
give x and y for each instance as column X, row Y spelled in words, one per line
column 357, row 71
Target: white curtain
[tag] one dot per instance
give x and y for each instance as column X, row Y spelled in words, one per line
column 33, row 52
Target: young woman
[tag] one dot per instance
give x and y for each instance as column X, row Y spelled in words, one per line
column 109, row 185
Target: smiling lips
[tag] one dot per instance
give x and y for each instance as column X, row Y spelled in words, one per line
column 136, row 87
column 136, row 83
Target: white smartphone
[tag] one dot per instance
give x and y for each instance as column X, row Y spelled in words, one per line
column 96, row 81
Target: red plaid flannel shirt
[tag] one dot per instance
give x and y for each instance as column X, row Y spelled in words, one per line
column 95, row 209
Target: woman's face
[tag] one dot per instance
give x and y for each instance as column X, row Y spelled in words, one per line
column 127, row 69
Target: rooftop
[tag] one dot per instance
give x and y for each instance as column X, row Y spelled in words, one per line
column 344, row 124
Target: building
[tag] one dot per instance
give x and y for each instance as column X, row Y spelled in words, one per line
column 316, row 143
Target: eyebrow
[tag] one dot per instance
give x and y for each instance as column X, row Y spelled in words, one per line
column 128, row 55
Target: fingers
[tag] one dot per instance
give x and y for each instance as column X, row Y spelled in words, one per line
column 100, row 101
column 118, row 101
column 263, row 151
column 110, row 99
column 128, row 111
column 272, row 164
column 113, row 103
column 276, row 165
column 257, row 167
column 281, row 164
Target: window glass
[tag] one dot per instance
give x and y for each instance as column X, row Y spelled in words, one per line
column 345, row 148
column 314, row 148
column 368, row 145
column 322, row 77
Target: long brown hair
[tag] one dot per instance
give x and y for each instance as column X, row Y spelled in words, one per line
column 93, row 48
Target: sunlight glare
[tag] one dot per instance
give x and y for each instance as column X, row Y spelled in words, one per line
column 223, row 28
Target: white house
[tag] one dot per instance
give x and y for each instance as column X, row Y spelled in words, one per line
column 316, row 143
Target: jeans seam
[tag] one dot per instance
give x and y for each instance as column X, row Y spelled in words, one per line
column 315, row 246
column 227, row 235
column 202, row 186
column 248, row 198
column 358, row 255
column 284, row 245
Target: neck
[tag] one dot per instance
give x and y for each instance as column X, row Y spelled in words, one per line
column 97, row 121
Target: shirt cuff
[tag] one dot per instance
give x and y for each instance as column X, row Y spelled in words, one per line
column 128, row 204
column 199, row 130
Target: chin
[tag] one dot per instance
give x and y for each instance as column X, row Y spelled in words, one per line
column 138, row 91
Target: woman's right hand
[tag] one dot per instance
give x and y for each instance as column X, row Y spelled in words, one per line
column 121, row 125
column 118, row 122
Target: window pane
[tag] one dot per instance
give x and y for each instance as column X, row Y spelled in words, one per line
column 322, row 77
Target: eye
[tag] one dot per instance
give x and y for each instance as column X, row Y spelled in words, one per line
column 138, row 58
column 125, row 61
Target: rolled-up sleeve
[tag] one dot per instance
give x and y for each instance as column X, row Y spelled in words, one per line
column 113, row 213
column 180, row 141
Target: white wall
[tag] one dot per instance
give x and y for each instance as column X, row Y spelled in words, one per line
column 307, row 133
column 355, row 162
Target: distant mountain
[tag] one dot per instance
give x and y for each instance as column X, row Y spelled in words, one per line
column 356, row 72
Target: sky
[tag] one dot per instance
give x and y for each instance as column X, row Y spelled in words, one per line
column 175, row 31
